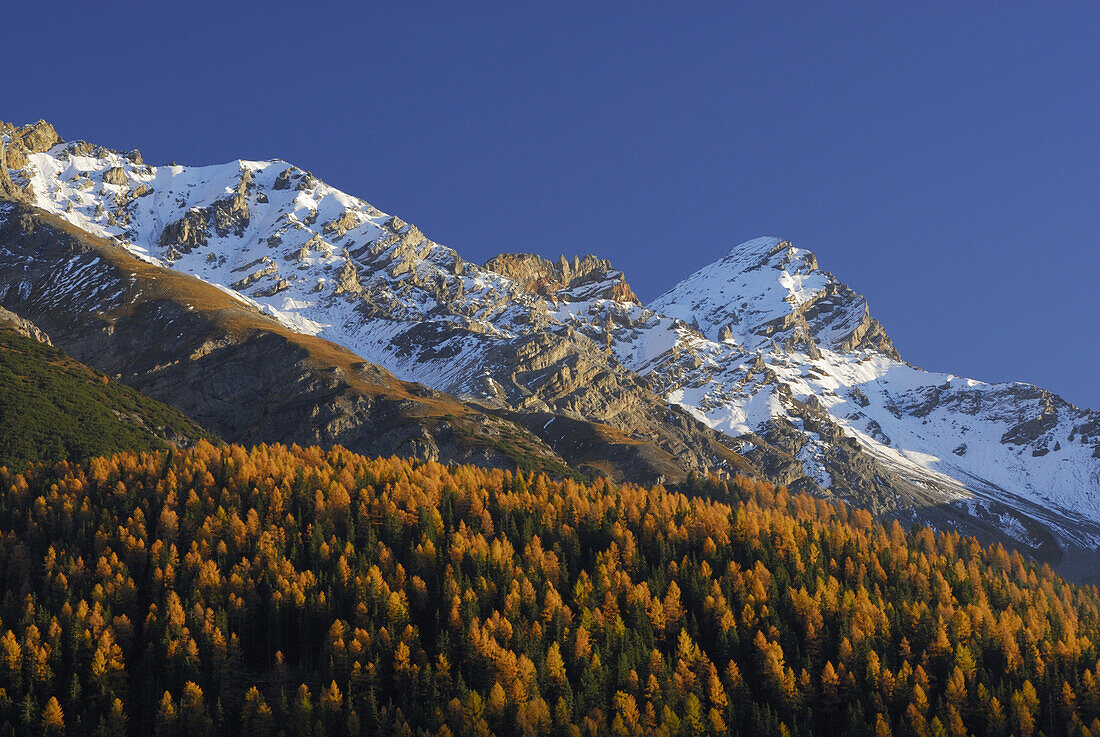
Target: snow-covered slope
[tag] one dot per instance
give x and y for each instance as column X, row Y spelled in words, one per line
column 762, row 345
column 287, row 242
column 767, row 292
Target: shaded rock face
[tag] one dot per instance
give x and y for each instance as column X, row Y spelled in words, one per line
column 8, row 189
column 231, row 214
column 800, row 328
column 227, row 215
column 187, row 233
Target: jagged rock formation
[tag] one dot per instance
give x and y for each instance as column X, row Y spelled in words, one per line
column 16, row 144
column 587, row 278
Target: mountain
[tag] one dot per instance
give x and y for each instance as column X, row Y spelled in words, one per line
column 328, row 265
column 228, row 366
column 759, row 361
column 57, row 409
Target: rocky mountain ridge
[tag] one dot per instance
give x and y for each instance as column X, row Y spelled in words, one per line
column 760, row 355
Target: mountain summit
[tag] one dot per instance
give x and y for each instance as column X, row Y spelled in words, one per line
column 767, row 291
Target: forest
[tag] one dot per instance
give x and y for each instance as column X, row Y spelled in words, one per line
column 296, row 591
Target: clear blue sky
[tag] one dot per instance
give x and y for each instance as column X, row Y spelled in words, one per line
column 943, row 159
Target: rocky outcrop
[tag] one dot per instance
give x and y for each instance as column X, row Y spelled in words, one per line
column 38, row 137
column 231, row 214
column 19, row 142
column 187, row 233
column 590, row 275
column 347, row 279
column 269, row 270
column 347, row 220
column 8, row 189
column 116, row 175
column 227, row 215
column 16, row 324
column 283, row 180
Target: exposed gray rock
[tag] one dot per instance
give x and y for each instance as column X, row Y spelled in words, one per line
column 231, row 214
column 270, row 270
column 283, row 180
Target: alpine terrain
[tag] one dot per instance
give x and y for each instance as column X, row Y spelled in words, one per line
column 269, row 306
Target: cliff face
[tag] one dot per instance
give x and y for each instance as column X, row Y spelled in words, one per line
column 16, row 144
column 12, row 322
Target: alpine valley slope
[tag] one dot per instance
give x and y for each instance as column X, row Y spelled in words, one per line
column 778, row 359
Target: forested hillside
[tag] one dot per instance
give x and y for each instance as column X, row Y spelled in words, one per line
column 222, row 591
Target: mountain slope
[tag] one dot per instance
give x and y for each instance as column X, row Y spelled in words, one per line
column 799, row 343
column 251, row 379
column 227, row 365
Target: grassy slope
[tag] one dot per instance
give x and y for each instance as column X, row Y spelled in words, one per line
column 53, row 408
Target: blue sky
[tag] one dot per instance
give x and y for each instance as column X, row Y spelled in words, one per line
column 943, row 159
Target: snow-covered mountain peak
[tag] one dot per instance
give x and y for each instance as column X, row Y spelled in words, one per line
column 768, row 292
